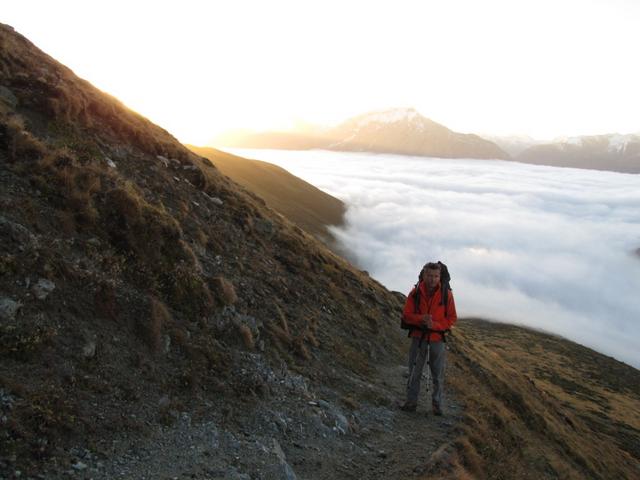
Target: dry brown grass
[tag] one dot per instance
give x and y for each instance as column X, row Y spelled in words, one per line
column 150, row 327
column 354, row 357
column 186, row 290
column 299, row 347
column 282, row 337
column 223, row 291
column 56, row 170
column 281, row 342
column 335, row 292
column 159, row 312
column 247, row 337
column 472, row 460
column 23, row 145
column 534, row 403
column 281, row 318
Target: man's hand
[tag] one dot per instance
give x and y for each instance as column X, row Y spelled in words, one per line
column 426, row 321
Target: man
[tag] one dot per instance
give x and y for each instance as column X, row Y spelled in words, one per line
column 427, row 318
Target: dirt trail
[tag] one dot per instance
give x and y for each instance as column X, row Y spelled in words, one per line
column 289, row 438
column 409, row 439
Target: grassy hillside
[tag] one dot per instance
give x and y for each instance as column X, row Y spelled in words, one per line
column 540, row 406
column 307, row 206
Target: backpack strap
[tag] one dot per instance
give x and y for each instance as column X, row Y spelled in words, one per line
column 445, row 287
column 416, row 298
column 416, row 303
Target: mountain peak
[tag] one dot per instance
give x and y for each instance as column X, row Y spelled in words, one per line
column 388, row 116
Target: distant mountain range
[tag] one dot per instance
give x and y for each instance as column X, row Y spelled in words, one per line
column 406, row 132
column 514, row 145
column 619, row 153
column 397, row 131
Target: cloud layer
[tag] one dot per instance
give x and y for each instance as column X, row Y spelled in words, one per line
column 551, row 248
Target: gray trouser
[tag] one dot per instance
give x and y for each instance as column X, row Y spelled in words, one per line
column 437, row 354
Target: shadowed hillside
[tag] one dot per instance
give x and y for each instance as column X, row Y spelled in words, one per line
column 139, row 282
column 307, row 206
column 157, row 320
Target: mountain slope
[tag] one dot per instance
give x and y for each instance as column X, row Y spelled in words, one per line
column 307, row 206
column 398, row 131
column 157, row 320
column 539, row 406
column 140, row 284
column 619, row 153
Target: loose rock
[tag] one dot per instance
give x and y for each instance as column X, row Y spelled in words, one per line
column 89, row 350
column 9, row 308
column 43, row 288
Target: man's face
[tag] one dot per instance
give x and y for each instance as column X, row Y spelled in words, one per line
column 431, row 278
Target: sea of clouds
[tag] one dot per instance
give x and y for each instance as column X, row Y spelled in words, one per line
column 550, row 248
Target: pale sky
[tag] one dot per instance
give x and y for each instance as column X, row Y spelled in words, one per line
column 198, row 68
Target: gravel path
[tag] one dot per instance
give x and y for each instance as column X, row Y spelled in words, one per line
column 295, row 433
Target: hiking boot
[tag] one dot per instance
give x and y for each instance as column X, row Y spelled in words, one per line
column 408, row 407
column 436, row 409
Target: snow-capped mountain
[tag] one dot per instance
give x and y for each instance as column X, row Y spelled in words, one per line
column 406, row 132
column 401, row 130
column 615, row 152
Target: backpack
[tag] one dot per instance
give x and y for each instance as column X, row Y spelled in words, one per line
column 445, row 280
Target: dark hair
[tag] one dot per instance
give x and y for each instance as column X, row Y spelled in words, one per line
column 431, row 266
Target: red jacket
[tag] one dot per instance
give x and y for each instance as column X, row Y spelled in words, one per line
column 430, row 304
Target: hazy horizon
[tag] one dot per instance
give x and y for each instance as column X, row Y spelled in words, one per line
column 540, row 68
column 309, row 127
column 546, row 247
